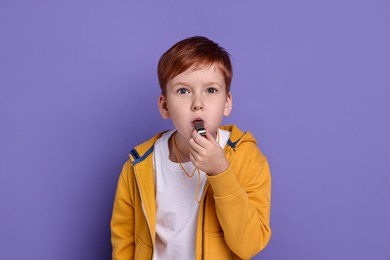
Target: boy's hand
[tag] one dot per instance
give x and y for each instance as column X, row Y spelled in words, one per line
column 206, row 154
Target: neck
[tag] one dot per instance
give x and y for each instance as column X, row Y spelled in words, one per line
column 182, row 149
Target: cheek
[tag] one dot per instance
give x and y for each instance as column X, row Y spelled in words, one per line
column 176, row 103
column 218, row 106
column 177, row 115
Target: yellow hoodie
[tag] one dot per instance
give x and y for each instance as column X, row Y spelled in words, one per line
column 234, row 213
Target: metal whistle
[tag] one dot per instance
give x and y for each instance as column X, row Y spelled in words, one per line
column 200, row 128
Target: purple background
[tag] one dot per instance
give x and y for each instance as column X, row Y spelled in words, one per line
column 78, row 89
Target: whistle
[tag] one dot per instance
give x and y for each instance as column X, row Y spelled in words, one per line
column 200, row 128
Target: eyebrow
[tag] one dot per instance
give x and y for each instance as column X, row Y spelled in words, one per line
column 189, row 85
column 182, row 84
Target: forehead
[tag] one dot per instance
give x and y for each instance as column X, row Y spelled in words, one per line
column 199, row 74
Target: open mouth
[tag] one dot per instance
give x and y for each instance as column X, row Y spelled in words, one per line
column 199, row 127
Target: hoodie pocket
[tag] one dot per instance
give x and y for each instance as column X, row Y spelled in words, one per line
column 142, row 250
column 216, row 247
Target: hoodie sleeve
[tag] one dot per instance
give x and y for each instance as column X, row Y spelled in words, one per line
column 242, row 195
column 122, row 220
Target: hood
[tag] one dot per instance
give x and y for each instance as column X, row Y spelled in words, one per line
column 237, row 137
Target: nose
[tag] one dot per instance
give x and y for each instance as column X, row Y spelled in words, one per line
column 197, row 104
column 197, row 107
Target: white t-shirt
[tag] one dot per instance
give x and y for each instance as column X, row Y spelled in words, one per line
column 177, row 207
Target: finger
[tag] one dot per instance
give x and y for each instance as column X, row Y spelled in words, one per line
column 199, row 152
column 210, row 137
column 200, row 140
column 194, row 146
column 193, row 158
column 213, row 143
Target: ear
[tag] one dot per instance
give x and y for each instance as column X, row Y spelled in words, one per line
column 163, row 107
column 228, row 105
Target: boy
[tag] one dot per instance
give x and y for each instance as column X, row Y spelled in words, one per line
column 183, row 195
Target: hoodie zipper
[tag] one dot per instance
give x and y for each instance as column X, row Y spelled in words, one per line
column 203, row 216
column 144, row 212
column 204, row 213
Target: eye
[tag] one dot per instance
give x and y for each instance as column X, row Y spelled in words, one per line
column 182, row 91
column 212, row 90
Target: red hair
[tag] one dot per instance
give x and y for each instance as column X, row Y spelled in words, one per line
column 194, row 52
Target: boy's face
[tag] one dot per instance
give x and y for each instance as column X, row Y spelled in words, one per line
column 199, row 94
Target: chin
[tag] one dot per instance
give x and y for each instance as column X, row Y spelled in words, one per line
column 187, row 134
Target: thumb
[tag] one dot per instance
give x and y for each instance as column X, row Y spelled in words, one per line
column 209, row 136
